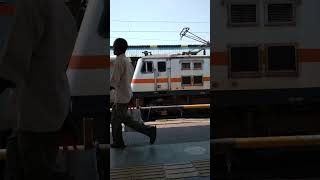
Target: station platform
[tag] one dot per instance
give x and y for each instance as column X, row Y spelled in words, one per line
column 181, row 151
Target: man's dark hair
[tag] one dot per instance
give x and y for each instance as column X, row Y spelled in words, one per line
column 122, row 44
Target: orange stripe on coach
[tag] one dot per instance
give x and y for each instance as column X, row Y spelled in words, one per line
column 219, row 58
column 89, row 62
column 161, row 80
column 309, row 55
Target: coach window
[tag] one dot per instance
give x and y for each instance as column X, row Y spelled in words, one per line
column 244, row 61
column 281, row 60
column 197, row 66
column 185, row 66
column 162, row 66
column 186, row 80
column 242, row 13
column 280, row 12
column 147, row 67
column 197, row 80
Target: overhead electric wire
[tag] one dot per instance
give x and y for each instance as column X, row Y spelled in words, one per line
column 186, row 33
column 154, row 39
column 156, row 31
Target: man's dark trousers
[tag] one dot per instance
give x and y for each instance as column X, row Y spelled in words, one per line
column 120, row 115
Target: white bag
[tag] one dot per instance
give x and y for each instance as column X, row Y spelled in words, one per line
column 8, row 109
column 136, row 116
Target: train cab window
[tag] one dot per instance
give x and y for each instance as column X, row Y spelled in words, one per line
column 243, row 13
column 162, row 67
column 197, row 65
column 280, row 12
column 197, row 80
column 186, row 80
column 185, row 66
column 244, row 61
column 281, row 59
column 147, row 67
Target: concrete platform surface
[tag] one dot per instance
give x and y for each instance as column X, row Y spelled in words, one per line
column 164, row 161
column 181, row 151
column 172, row 131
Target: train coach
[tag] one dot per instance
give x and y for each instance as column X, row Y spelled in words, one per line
column 265, row 66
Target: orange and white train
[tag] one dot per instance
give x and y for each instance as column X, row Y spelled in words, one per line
column 265, row 52
column 171, row 79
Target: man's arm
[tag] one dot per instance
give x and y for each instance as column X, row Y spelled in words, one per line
column 116, row 75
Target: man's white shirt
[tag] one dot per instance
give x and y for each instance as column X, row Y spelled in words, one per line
column 121, row 80
column 36, row 58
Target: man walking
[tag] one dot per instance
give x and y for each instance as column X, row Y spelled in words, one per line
column 35, row 60
column 121, row 83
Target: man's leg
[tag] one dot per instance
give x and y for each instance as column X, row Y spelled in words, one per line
column 37, row 154
column 139, row 127
column 116, row 120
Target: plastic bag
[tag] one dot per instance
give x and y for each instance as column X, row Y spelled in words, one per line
column 135, row 114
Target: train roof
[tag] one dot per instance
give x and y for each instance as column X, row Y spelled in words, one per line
column 168, row 56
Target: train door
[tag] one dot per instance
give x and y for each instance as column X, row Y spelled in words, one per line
column 147, row 80
column 162, row 75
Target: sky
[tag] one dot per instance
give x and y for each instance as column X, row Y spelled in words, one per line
column 159, row 22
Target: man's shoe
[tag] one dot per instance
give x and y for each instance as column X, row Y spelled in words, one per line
column 153, row 134
column 119, row 146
